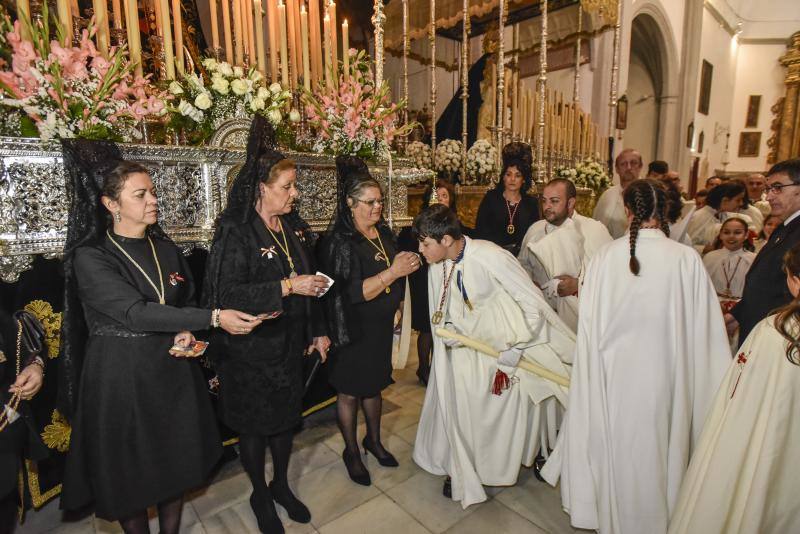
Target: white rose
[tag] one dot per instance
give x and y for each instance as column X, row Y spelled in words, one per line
column 210, row 64
column 225, row 69
column 220, row 85
column 175, row 88
column 185, row 108
column 275, row 88
column 257, row 103
column 239, row 87
column 294, row 116
column 203, row 101
column 238, row 72
column 263, row 93
column 274, row 116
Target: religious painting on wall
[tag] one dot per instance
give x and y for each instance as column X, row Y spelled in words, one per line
column 622, row 113
column 753, row 107
column 749, row 144
column 706, row 75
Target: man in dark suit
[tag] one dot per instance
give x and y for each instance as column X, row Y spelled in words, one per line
column 765, row 286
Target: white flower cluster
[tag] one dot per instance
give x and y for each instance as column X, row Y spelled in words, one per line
column 200, row 99
column 420, row 153
column 590, row 174
column 448, row 156
column 481, row 163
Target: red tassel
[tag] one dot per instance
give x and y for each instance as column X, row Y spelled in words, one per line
column 501, row 383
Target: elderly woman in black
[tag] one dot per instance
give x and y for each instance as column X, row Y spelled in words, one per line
column 261, row 262
column 360, row 253
column 143, row 429
column 507, row 211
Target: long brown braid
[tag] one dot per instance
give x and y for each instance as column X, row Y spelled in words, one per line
column 789, row 316
column 646, row 199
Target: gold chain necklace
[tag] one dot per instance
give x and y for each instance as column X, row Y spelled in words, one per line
column 510, row 229
column 13, row 402
column 438, row 315
column 284, row 247
column 381, row 250
column 160, row 294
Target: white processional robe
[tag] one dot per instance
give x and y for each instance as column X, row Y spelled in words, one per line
column 755, row 216
column 465, row 431
column 610, row 210
column 744, row 475
column 700, row 227
column 728, row 270
column 678, row 229
column 651, row 351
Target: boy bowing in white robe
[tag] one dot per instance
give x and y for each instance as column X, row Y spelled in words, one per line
column 475, row 428
column 651, row 352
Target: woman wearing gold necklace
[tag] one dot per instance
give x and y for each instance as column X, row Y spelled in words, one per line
column 143, row 429
column 360, row 253
column 261, row 260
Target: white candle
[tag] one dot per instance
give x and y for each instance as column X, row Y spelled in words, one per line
column 304, row 39
column 169, row 55
column 226, row 29
column 214, row 25
column 23, row 11
column 64, row 18
column 345, row 48
column 101, row 21
column 116, row 12
column 316, row 40
column 176, row 20
column 334, row 39
column 272, row 25
column 326, row 23
column 134, row 41
column 259, row 22
column 284, row 54
column 239, row 34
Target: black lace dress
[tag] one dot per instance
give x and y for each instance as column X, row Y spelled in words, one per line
column 363, row 368
column 261, row 374
column 144, row 430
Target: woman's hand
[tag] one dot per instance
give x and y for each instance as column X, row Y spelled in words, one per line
column 237, row 323
column 404, row 264
column 320, row 344
column 309, row 285
column 29, row 381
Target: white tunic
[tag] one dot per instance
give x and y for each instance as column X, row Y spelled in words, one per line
column 755, row 215
column 700, row 227
column 651, row 352
column 728, row 270
column 465, row 431
column 610, row 210
column 743, row 477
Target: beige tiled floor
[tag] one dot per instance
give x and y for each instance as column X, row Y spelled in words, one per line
column 403, row 500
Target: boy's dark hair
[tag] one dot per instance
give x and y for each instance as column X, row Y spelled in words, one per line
column 658, row 167
column 436, row 222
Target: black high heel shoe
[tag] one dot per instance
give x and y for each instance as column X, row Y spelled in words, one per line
column 355, row 468
column 296, row 510
column 386, row 461
column 266, row 515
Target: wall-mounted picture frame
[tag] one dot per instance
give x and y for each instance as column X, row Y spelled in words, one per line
column 753, row 108
column 622, row 112
column 749, row 144
column 706, row 76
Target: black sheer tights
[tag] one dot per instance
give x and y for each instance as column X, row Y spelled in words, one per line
column 169, row 519
column 347, row 418
column 424, row 348
column 252, row 449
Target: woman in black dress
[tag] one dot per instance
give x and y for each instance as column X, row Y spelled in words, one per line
column 360, row 254
column 261, row 262
column 143, row 430
column 507, row 211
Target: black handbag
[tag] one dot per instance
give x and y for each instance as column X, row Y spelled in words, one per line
column 32, row 334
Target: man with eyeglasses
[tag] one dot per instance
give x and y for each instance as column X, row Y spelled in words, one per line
column 765, row 287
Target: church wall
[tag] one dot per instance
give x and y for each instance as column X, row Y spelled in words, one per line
column 757, row 73
column 642, row 111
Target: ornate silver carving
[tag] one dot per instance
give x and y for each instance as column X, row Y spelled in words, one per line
column 192, row 182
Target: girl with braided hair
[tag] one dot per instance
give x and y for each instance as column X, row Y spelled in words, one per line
column 651, row 351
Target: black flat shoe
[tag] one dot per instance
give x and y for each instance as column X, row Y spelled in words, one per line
column 266, row 515
column 282, row 495
column 355, row 468
column 538, row 463
column 447, row 488
column 387, row 460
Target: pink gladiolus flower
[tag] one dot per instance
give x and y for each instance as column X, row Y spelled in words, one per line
column 155, row 105
column 121, row 92
column 101, row 65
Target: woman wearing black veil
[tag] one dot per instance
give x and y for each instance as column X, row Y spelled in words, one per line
column 143, row 430
column 261, row 262
column 507, row 211
column 359, row 252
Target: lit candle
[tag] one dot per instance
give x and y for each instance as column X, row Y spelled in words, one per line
column 298, row 42
column 259, row 21
column 116, row 12
column 65, row 19
column 345, row 48
column 304, row 39
column 169, row 55
column 248, row 17
column 316, row 40
column 284, row 55
column 134, row 41
column 334, row 39
column 238, row 33
column 226, row 29
column 214, row 25
column 23, row 11
column 176, row 20
column 294, row 31
column 326, row 23
column 101, row 21
column 272, row 24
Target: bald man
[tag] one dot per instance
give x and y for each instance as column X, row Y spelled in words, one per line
column 609, row 210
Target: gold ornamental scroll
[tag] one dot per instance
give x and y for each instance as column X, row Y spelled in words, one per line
column 785, row 142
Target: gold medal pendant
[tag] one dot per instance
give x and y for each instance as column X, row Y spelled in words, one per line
column 437, row 317
column 510, row 229
column 388, row 290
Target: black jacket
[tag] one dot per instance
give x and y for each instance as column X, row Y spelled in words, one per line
column 765, row 286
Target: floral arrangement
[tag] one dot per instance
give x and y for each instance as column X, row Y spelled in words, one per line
column 588, row 173
column 448, row 156
column 481, row 163
column 351, row 116
column 420, row 153
column 70, row 91
column 200, row 103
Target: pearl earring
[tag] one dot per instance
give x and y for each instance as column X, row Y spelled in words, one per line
column 117, row 217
